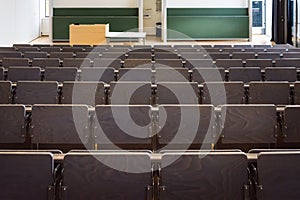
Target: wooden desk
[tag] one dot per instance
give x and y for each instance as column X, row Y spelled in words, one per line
column 85, row 34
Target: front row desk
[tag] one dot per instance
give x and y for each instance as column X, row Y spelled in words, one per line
column 95, row 34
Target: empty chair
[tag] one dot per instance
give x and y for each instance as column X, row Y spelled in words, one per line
column 281, row 74
column 10, row 54
column 186, row 50
column 168, row 63
column 185, row 125
column 204, row 175
column 114, row 55
column 244, row 55
column 7, row 49
column 88, row 55
column 16, row 74
column 135, row 74
column 59, row 124
column 24, row 49
column 245, row 74
column 254, row 50
column 104, row 63
column 36, row 92
column 262, row 46
column 278, row 174
column 254, row 125
column 199, row 63
column 98, row 74
column 210, row 50
column 77, row 62
column 171, row 75
column 95, row 49
column 262, row 63
column 201, row 75
column 183, row 46
column 221, row 46
column 219, row 93
column 123, row 126
column 50, row 49
column 130, row 180
column 35, row 54
column 177, row 93
column 231, row 50
column 293, row 49
column 297, row 93
column 268, row 55
column 140, row 63
column 61, row 55
column 118, row 49
column 291, row 55
column 140, row 55
column 279, row 50
column 13, row 124
column 269, row 93
column 194, row 55
column 7, row 62
column 45, row 62
column 6, row 92
column 291, row 125
column 72, row 49
column 2, row 77
column 167, row 55
column 288, row 62
column 89, row 93
column 36, row 169
column 243, row 46
column 60, row 74
column 136, row 93
column 215, row 56
column 41, row 45
column 226, row 63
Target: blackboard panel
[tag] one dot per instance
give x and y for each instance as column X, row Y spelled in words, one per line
column 207, row 11
column 95, row 11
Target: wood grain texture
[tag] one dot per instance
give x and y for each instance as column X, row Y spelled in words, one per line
column 137, row 74
column 248, row 124
column 281, row 74
column 45, row 62
column 171, row 75
column 245, row 74
column 15, row 74
column 279, row 175
column 60, row 74
column 25, row 176
column 291, row 128
column 5, row 92
column 87, row 177
column 212, row 177
column 202, row 75
column 60, row 124
column 92, row 74
column 226, row 63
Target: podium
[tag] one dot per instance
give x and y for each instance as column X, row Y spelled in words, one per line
column 88, row 34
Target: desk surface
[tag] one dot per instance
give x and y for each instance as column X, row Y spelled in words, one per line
column 125, row 35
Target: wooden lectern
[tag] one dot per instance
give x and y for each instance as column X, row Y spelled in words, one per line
column 88, row 34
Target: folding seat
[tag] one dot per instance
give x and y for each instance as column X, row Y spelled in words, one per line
column 60, row 74
column 221, row 46
column 41, row 45
column 162, row 46
column 88, row 55
column 244, row 55
column 114, row 55
column 61, row 55
column 168, row 63
column 166, row 55
column 279, row 50
column 89, row 93
column 36, row 92
column 131, row 179
column 77, row 62
column 268, row 55
column 24, row 49
column 210, row 50
column 245, row 74
column 121, row 50
column 291, row 55
column 269, row 93
column 106, row 62
column 96, row 49
column 7, row 62
column 185, row 125
column 60, row 124
column 231, row 50
column 244, row 126
column 135, row 74
column 183, row 46
column 140, row 55
column 50, row 49
column 26, row 175
column 293, row 50
column 171, row 75
column 72, row 49
column 141, row 48
column 203, row 46
column 13, row 124
column 192, row 56
column 215, row 56
column 2, row 74
column 16, row 74
column 265, row 46
column 140, row 63
column 288, row 62
column 199, row 63
column 45, row 62
column 135, row 93
column 21, row 45
column 7, row 49
column 99, row 74
column 297, row 93
column 204, row 175
column 5, row 92
column 254, row 50
column 281, row 74
column 177, row 93
column 201, row 75
column 35, row 54
column 278, row 174
column 262, row 63
column 219, row 93
column 123, row 126
column 226, row 63
column 291, row 124
column 186, row 50
column 10, row 54
column 243, row 46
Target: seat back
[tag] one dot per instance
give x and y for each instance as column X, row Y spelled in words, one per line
column 245, row 74
column 98, row 74
column 201, row 75
column 60, row 74
column 16, row 74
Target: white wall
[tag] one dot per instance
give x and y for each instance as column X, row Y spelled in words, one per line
column 152, row 17
column 19, row 21
column 95, row 3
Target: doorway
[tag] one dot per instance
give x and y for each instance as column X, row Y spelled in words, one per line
column 152, row 15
